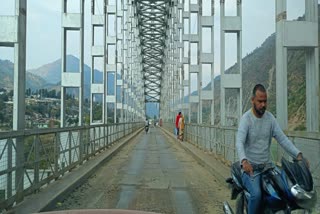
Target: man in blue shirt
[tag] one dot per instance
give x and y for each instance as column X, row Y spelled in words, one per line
column 256, row 129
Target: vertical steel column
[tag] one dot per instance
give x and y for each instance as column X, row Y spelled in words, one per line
column 136, row 73
column 98, row 51
column 281, row 65
column 231, row 24
column 312, row 69
column 199, row 52
column 119, row 52
column 111, row 66
column 20, row 66
column 212, row 65
column 173, row 57
column 175, row 73
column 239, row 61
column 19, row 92
column 288, row 36
column 166, row 84
column 180, row 53
column 170, row 59
column 186, row 55
column 140, row 89
column 130, row 61
column 207, row 21
column 75, row 22
column 125, row 59
column 13, row 34
column 129, row 34
column 194, row 67
column 170, row 69
column 170, row 64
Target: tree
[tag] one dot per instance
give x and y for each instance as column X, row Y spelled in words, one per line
column 2, row 106
column 4, row 98
column 28, row 92
column 1, row 117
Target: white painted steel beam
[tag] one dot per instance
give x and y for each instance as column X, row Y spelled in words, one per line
column 303, row 35
column 9, row 30
column 231, row 24
column 72, row 22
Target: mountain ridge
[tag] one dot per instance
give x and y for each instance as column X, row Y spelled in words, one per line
column 6, row 81
column 49, row 75
column 51, row 72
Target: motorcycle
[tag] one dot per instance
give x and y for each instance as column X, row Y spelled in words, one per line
column 287, row 189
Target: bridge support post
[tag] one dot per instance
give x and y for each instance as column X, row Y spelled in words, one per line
column 98, row 53
column 19, row 93
column 194, row 63
column 13, row 34
column 291, row 35
column 72, row 79
column 231, row 24
column 111, row 63
column 206, row 65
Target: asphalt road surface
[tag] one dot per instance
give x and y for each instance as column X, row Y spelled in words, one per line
column 151, row 173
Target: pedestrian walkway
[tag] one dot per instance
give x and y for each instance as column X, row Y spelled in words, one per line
column 210, row 161
column 154, row 168
column 50, row 195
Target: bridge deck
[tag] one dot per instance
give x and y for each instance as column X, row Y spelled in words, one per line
column 152, row 172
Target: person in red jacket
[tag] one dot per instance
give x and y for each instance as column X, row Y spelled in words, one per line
column 177, row 123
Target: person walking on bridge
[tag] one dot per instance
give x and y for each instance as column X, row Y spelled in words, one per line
column 181, row 127
column 146, row 126
column 177, row 123
column 256, row 129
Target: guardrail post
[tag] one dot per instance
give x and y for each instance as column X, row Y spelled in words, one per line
column 107, row 126
column 124, row 129
column 19, row 179
column 118, row 131
column 36, row 161
column 81, row 145
column 197, row 135
column 9, row 179
column 234, row 146
column 56, row 155
column 224, row 143
column 70, row 145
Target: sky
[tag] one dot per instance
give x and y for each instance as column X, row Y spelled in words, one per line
column 44, row 29
column 258, row 23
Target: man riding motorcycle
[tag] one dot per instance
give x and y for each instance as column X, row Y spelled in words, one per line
column 287, row 189
column 256, row 130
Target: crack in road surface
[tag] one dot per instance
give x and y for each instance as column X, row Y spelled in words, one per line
column 151, row 173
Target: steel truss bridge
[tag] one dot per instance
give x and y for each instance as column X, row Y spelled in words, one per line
column 152, row 50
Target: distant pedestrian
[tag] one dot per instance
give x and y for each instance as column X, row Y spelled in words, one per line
column 177, row 123
column 181, row 127
column 146, row 126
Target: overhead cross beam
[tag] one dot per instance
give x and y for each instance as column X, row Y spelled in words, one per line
column 152, row 16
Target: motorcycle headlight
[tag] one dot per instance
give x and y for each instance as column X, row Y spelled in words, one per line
column 303, row 198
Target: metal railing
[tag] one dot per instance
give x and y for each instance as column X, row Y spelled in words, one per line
column 221, row 141
column 31, row 159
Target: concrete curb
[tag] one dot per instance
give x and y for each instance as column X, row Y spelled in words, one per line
column 210, row 162
column 47, row 198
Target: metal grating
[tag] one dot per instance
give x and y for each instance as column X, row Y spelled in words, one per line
column 152, row 19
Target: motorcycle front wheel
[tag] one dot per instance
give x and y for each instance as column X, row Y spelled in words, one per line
column 241, row 206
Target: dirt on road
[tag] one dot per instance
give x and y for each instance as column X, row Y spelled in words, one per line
column 151, row 173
